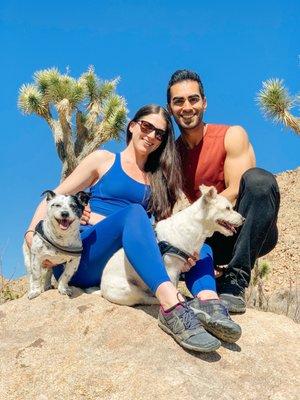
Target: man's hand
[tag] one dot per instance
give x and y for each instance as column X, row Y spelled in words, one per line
column 85, row 219
column 191, row 262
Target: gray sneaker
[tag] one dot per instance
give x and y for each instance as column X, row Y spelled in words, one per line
column 183, row 325
column 235, row 304
column 215, row 318
column 232, row 293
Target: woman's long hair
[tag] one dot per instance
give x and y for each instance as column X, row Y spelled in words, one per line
column 162, row 167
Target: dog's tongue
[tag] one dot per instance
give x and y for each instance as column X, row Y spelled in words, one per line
column 64, row 224
column 228, row 226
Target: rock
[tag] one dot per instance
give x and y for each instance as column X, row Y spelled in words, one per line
column 287, row 250
column 86, row 348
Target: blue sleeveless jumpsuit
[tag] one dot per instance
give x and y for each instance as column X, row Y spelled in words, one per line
column 123, row 201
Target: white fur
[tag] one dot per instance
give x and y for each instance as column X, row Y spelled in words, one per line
column 41, row 251
column 186, row 230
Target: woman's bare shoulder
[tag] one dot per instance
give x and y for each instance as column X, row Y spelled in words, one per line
column 102, row 155
column 104, row 160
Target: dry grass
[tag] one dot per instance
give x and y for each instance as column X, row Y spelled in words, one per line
column 285, row 301
column 10, row 289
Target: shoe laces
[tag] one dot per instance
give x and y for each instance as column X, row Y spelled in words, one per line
column 187, row 315
column 222, row 309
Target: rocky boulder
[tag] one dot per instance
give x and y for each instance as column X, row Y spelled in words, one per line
column 86, row 348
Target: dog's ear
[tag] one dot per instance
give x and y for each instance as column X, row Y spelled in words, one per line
column 83, row 198
column 208, row 192
column 49, row 194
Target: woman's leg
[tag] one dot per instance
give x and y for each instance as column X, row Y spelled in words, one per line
column 211, row 312
column 200, row 280
column 131, row 229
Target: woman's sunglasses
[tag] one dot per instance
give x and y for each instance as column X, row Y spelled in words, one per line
column 147, row 127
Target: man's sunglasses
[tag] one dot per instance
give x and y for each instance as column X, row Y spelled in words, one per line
column 147, row 127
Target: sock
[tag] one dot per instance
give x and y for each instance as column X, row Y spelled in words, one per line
column 171, row 308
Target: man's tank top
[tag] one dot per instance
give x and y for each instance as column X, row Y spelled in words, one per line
column 116, row 190
column 204, row 164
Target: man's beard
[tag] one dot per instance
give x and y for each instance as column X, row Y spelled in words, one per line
column 192, row 126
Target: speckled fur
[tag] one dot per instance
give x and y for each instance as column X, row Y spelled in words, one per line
column 40, row 278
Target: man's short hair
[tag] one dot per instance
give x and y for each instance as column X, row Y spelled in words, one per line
column 184, row 75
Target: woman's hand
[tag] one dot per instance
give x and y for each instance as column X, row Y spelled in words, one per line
column 28, row 238
column 191, row 262
column 85, row 219
column 48, row 264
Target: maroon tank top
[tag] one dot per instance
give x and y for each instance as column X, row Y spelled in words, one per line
column 204, row 164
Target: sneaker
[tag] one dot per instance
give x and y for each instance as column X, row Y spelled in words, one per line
column 181, row 323
column 215, row 318
column 232, row 294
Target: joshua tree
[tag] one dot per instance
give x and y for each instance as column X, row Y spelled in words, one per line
column 82, row 113
column 276, row 103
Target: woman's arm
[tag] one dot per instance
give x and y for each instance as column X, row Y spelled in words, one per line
column 84, row 175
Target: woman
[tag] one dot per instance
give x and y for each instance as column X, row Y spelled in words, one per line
column 124, row 187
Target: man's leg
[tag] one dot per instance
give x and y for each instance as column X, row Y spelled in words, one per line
column 258, row 201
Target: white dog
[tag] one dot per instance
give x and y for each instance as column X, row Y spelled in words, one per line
column 186, row 231
column 56, row 239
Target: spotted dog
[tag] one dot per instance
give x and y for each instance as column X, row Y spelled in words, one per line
column 182, row 234
column 56, row 239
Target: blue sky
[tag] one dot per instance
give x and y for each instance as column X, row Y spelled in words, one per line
column 233, row 45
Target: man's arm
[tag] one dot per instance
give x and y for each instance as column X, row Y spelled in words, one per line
column 239, row 158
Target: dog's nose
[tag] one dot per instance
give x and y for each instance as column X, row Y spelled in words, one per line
column 64, row 214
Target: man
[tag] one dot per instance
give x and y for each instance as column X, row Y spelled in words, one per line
column 222, row 156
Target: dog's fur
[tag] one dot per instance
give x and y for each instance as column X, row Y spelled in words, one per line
column 186, row 230
column 61, row 226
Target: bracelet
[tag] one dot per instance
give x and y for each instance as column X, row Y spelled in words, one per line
column 30, row 230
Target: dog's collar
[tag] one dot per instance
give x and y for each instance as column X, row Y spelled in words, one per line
column 167, row 248
column 40, row 231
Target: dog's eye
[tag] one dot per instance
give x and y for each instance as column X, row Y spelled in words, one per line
column 228, row 208
column 56, row 205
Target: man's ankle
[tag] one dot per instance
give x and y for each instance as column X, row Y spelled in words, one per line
column 207, row 295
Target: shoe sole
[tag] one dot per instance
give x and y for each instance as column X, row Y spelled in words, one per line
column 234, row 304
column 218, row 330
column 186, row 345
column 222, row 333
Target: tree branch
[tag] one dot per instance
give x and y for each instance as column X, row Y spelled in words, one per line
column 58, row 138
column 97, row 140
column 82, row 133
column 92, row 115
column 292, row 122
column 65, row 113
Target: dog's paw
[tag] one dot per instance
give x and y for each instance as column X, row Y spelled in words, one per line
column 66, row 290
column 33, row 293
column 93, row 289
column 48, row 287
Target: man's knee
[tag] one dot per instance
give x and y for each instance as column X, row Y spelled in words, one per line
column 260, row 182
